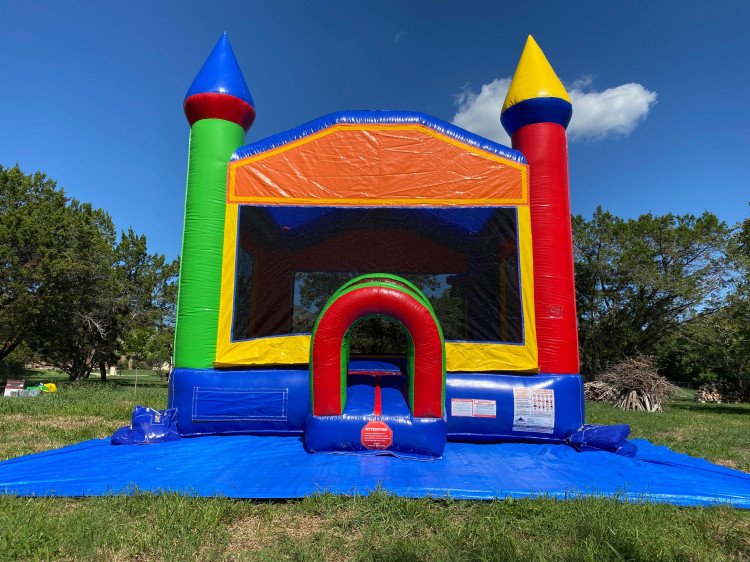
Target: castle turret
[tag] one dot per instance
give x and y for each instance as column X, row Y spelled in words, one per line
column 220, row 110
column 536, row 112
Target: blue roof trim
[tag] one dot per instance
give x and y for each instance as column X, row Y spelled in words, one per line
column 377, row 117
column 221, row 74
column 536, row 110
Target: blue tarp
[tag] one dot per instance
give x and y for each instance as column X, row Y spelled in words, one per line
column 278, row 467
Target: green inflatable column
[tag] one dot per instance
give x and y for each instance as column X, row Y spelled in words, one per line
column 220, row 110
column 212, row 142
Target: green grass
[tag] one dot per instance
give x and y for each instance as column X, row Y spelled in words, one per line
column 718, row 432
column 379, row 527
column 76, row 412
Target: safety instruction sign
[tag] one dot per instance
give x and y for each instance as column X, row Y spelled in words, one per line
column 533, row 410
column 376, row 435
column 473, row 408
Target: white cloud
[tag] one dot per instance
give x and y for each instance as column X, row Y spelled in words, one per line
column 614, row 112
column 583, row 82
column 479, row 112
column 400, row 35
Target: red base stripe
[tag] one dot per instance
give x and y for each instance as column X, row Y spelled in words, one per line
column 219, row 106
column 377, row 409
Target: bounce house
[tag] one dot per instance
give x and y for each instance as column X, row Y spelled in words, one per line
column 366, row 291
column 464, row 243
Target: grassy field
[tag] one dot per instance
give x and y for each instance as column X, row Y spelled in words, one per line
column 379, row 527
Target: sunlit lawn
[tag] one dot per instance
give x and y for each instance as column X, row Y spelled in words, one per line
column 379, row 527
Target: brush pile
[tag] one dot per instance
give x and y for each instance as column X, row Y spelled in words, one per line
column 632, row 384
column 599, row 391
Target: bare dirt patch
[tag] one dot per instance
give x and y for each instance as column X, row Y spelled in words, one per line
column 249, row 534
column 254, row 533
column 729, row 463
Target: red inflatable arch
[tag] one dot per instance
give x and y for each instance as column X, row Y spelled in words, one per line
column 329, row 359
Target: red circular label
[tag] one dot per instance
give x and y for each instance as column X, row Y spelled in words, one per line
column 376, row 435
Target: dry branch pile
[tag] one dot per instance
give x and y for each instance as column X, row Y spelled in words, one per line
column 599, row 391
column 632, row 384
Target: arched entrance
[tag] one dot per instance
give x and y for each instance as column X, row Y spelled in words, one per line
column 396, row 298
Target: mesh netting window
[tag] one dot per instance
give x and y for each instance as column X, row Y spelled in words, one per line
column 290, row 260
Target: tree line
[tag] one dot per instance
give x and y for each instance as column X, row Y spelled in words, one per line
column 75, row 294
column 676, row 287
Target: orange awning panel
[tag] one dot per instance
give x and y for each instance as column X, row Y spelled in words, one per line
column 377, row 165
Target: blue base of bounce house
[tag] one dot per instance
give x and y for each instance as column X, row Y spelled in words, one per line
column 479, row 407
column 376, row 420
column 264, row 467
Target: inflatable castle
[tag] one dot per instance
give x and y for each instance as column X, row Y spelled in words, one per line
column 292, row 244
column 369, row 290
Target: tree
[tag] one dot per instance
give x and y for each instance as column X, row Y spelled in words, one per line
column 121, row 300
column 81, row 291
column 737, row 311
column 147, row 285
column 32, row 214
column 639, row 280
column 716, row 347
column 69, row 290
column 55, row 274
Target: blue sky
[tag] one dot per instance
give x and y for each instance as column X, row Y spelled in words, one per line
column 91, row 93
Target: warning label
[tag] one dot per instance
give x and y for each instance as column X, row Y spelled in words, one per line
column 555, row 311
column 533, row 410
column 376, row 435
column 473, row 408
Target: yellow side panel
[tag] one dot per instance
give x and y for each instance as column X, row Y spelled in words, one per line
column 226, row 304
column 460, row 356
column 279, row 350
column 475, row 357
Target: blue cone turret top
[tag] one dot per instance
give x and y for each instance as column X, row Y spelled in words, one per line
column 536, row 94
column 219, row 91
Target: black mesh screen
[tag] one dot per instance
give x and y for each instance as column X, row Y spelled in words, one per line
column 291, row 259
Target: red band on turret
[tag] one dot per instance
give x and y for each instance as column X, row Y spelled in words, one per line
column 219, row 106
column 546, row 149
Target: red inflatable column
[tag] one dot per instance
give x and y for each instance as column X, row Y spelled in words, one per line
column 545, row 148
column 535, row 113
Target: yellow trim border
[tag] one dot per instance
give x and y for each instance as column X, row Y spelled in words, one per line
column 295, row 349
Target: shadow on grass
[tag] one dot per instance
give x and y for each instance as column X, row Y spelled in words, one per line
column 711, row 408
